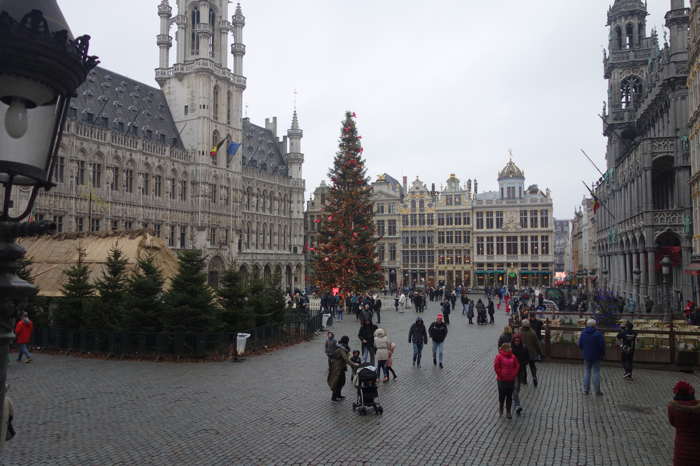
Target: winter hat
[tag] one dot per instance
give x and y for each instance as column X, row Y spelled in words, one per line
column 439, row 316
column 418, row 320
column 591, row 323
column 526, row 323
column 345, row 340
column 683, row 388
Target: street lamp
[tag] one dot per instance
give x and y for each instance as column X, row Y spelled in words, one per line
column 41, row 66
column 666, row 273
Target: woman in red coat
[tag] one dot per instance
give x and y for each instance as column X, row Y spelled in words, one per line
column 507, row 367
column 684, row 415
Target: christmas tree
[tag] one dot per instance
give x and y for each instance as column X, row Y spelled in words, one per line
column 345, row 257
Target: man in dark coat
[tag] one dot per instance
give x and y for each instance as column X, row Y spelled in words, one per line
column 627, row 339
column 366, row 336
column 446, row 309
column 438, row 333
column 417, row 336
column 378, row 309
column 491, row 312
column 339, row 365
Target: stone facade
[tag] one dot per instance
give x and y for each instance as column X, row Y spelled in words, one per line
column 134, row 156
column 583, row 246
column 513, row 233
column 427, row 237
column 646, row 212
column 562, row 231
column 694, row 125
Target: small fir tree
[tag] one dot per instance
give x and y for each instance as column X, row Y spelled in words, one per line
column 265, row 303
column 144, row 302
column 112, row 288
column 190, row 304
column 345, row 256
column 77, row 292
column 234, row 315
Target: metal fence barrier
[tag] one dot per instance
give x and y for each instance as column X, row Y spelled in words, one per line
column 296, row 328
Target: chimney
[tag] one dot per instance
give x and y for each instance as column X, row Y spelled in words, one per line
column 271, row 125
column 405, row 184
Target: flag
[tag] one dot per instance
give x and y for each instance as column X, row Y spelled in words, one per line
column 596, row 205
column 215, row 150
column 231, row 149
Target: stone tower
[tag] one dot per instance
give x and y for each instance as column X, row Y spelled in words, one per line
column 625, row 69
column 203, row 93
column 295, row 158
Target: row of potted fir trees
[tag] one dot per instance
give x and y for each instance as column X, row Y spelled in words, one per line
column 136, row 301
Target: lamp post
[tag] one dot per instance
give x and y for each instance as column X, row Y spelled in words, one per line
column 41, row 66
column 666, row 273
column 636, row 280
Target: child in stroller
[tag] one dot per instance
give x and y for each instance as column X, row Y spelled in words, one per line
column 365, row 380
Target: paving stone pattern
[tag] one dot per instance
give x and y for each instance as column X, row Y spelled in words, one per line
column 276, row 409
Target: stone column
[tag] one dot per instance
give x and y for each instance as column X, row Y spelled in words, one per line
column 651, row 284
column 643, row 278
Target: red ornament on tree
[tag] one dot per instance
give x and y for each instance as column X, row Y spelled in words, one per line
column 354, row 115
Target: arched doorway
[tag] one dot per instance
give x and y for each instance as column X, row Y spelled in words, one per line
column 277, row 276
column 216, row 270
column 298, row 274
column 267, row 274
column 288, row 278
column 668, row 244
column 256, row 272
column 245, row 274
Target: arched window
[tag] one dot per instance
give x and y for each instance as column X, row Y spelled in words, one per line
column 228, row 108
column 195, row 36
column 257, row 201
column 257, row 235
column 629, row 36
column 264, row 234
column 618, row 37
column 212, row 37
column 215, row 104
column 249, row 196
column 630, row 92
column 269, row 237
column 247, row 236
column 279, row 236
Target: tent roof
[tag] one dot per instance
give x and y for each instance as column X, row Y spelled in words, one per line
column 52, row 255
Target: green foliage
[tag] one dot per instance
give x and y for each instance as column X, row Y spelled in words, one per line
column 144, row 301
column 265, row 303
column 190, row 304
column 345, row 256
column 77, row 292
column 234, row 315
column 112, row 288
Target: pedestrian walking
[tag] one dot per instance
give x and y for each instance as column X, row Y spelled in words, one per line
column 480, row 313
column 378, row 309
column 446, row 310
column 330, row 346
column 402, row 301
column 520, row 351
column 382, row 345
column 396, row 303
column 438, row 333
column 366, row 336
column 684, row 416
column 390, row 361
column 506, row 336
column 491, row 312
column 627, row 339
column 465, row 303
column 506, row 367
column 532, row 343
column 417, row 336
column 470, row 312
column 24, row 330
column 341, row 361
column 592, row 344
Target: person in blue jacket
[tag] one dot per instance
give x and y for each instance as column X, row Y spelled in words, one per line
column 592, row 344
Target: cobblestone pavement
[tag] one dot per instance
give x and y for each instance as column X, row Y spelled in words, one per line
column 276, row 409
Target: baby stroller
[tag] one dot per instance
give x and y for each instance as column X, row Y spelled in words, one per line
column 367, row 396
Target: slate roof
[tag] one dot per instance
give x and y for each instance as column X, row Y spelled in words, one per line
column 262, row 150
column 109, row 100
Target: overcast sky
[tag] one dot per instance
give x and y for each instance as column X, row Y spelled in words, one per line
column 439, row 87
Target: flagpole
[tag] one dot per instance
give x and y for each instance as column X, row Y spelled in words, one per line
column 592, row 163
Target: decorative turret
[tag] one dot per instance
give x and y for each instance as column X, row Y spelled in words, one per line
column 238, row 48
column 295, row 158
column 164, row 40
column 511, row 180
column 677, row 21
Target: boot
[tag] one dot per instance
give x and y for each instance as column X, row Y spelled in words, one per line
column 534, row 381
column 500, row 410
column 508, row 415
